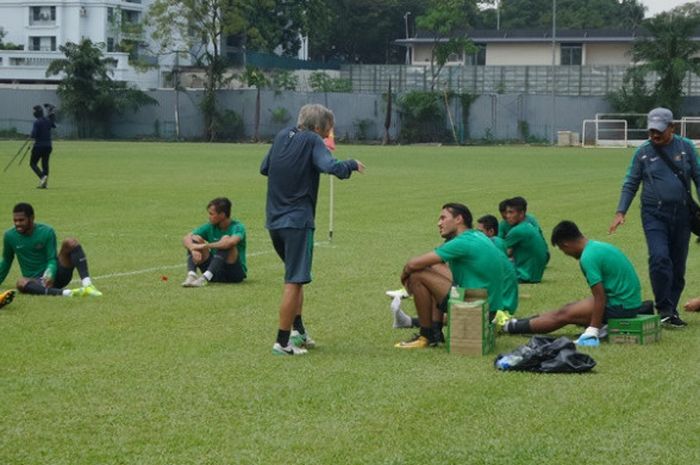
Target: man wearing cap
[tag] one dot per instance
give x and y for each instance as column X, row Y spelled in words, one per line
column 665, row 211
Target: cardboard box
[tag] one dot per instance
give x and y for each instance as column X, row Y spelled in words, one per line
column 644, row 329
column 469, row 331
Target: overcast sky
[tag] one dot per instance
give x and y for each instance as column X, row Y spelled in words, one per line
column 657, row 6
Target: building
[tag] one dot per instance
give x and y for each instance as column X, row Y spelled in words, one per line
column 39, row 27
column 594, row 47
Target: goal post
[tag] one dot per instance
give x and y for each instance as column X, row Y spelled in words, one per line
column 604, row 133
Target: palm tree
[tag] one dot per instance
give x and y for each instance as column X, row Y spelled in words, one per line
column 670, row 52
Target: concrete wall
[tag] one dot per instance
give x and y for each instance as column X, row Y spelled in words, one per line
column 606, row 54
column 495, row 116
column 520, row 54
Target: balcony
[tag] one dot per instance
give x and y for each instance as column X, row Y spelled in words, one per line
column 19, row 66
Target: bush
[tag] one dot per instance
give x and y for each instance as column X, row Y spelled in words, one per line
column 229, row 126
column 11, row 133
column 280, row 115
column 423, row 117
column 362, row 128
column 322, row 82
column 283, row 80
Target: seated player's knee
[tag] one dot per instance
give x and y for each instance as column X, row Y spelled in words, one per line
column 69, row 243
column 22, row 284
column 563, row 314
column 197, row 239
column 232, row 255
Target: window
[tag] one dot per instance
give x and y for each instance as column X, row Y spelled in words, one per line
column 42, row 44
column 110, row 44
column 477, row 58
column 42, row 15
column 571, row 54
column 110, row 14
column 453, row 57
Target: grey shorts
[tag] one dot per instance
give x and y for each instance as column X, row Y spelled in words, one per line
column 295, row 247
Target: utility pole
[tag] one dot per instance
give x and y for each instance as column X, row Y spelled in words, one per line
column 408, row 50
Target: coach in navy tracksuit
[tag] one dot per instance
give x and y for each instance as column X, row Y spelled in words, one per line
column 293, row 166
column 41, row 133
column 665, row 210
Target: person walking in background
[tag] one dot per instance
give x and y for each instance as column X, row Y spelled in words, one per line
column 658, row 165
column 41, row 151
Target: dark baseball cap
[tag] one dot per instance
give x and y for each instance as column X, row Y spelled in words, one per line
column 659, row 119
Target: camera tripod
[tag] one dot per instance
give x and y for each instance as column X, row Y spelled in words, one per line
column 24, row 150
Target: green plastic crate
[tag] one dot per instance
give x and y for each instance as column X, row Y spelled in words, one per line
column 644, row 329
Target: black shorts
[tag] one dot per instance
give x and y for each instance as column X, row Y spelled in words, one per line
column 230, row 273
column 63, row 276
column 617, row 311
column 295, row 247
column 62, row 279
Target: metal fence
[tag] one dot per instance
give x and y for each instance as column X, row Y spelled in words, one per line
column 584, row 81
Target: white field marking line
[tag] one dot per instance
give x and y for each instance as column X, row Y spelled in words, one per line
column 179, row 265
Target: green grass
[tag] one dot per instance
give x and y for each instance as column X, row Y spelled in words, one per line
column 156, row 374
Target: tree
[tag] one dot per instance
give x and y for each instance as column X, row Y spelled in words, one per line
column 670, row 52
column 571, row 14
column 361, row 31
column 87, row 91
column 255, row 77
column 446, row 21
column 7, row 45
column 201, row 28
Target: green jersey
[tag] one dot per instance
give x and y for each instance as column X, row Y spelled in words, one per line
column 475, row 264
column 500, row 244
column 211, row 233
column 36, row 252
column 504, row 226
column 604, row 263
column 530, row 253
column 510, row 279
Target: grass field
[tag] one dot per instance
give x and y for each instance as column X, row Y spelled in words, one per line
column 156, row 374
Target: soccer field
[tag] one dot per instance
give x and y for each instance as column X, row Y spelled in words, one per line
column 153, row 373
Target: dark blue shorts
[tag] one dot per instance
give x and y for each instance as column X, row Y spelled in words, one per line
column 230, row 273
column 295, row 247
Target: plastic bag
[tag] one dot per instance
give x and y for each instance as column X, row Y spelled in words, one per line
column 545, row 354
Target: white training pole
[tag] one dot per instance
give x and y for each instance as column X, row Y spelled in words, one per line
column 330, row 212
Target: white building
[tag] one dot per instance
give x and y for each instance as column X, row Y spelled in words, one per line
column 41, row 26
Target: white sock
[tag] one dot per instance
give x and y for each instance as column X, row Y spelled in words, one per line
column 192, row 273
column 401, row 320
column 86, row 281
column 67, row 293
column 208, row 275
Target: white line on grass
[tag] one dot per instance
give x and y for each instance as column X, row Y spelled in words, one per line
column 179, row 265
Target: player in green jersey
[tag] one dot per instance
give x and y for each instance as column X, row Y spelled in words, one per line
column 614, row 284
column 44, row 272
column 217, row 248
column 473, row 263
column 525, row 243
column 504, row 226
column 488, row 224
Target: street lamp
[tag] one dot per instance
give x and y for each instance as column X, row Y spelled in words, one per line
column 554, row 68
column 408, row 50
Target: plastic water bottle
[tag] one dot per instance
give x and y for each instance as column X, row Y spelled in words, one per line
column 507, row 362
